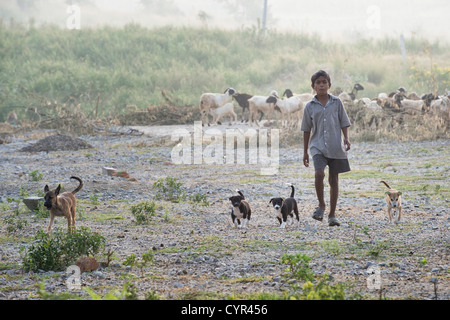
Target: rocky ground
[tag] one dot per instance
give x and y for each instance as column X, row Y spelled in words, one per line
column 198, row 253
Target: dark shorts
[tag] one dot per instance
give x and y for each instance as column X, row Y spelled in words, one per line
column 334, row 165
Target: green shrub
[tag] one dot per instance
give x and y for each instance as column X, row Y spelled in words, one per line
column 169, row 189
column 200, row 199
column 298, row 266
column 14, row 224
column 143, row 212
column 323, row 290
column 60, row 249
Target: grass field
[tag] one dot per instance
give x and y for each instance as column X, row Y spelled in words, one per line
column 107, row 71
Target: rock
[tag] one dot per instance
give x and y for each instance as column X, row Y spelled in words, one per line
column 87, row 264
column 32, row 202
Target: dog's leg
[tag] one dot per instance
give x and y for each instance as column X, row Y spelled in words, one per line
column 296, row 215
column 283, row 224
column 69, row 224
column 249, row 214
column 292, row 219
column 74, row 218
column 70, row 220
column 389, row 209
column 399, row 213
column 50, row 224
column 233, row 218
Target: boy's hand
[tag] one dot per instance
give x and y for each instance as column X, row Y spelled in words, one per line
column 306, row 160
column 347, row 144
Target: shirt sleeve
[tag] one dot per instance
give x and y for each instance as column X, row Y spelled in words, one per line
column 307, row 124
column 343, row 117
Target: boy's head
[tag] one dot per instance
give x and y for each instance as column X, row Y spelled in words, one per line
column 319, row 74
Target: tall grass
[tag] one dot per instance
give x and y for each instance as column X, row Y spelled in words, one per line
column 107, row 69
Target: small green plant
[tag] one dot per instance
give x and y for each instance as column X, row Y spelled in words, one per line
column 298, row 266
column 423, row 262
column 376, row 249
column 129, row 292
column 167, row 218
column 41, row 212
column 132, row 260
column 333, row 247
column 169, row 189
column 94, row 199
column 14, row 225
column 356, row 229
column 143, row 211
column 323, row 290
column 59, row 250
column 200, row 199
column 23, row 193
column 36, row 175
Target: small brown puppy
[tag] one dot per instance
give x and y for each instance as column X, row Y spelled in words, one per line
column 62, row 205
column 393, row 201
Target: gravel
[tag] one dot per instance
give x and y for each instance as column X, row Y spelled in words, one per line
column 197, row 250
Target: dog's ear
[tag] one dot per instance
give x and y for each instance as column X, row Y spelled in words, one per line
column 58, row 189
column 271, row 200
column 230, row 198
column 46, row 189
column 399, row 193
column 387, row 192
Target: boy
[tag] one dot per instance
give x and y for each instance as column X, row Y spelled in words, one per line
column 326, row 117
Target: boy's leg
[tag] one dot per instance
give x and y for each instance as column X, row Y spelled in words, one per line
column 333, row 179
column 318, row 182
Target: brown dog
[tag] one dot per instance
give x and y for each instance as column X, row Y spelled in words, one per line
column 62, row 205
column 393, row 201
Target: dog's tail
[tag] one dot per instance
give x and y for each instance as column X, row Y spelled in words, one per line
column 79, row 186
column 293, row 191
column 386, row 184
column 240, row 193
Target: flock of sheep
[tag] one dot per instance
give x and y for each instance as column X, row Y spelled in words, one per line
column 291, row 105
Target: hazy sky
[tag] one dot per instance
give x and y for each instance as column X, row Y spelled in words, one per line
column 341, row 19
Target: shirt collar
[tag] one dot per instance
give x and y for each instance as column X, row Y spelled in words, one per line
column 330, row 95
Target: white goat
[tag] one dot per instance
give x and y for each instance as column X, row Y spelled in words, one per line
column 410, row 106
column 441, row 107
column 258, row 104
column 304, row 97
column 287, row 107
column 226, row 110
column 368, row 104
column 210, row 101
column 345, row 98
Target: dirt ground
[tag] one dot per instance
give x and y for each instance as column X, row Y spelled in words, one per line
column 198, row 253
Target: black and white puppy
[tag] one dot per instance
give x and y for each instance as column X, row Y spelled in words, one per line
column 284, row 207
column 240, row 210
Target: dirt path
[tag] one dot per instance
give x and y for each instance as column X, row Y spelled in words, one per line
column 197, row 251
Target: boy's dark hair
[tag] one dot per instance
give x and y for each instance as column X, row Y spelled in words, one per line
column 320, row 73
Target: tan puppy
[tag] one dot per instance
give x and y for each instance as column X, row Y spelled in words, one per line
column 394, row 201
column 62, row 205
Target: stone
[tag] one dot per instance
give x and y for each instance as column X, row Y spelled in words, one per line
column 87, row 264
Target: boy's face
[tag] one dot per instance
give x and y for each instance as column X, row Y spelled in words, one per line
column 321, row 85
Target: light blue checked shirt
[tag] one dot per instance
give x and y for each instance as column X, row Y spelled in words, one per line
column 326, row 123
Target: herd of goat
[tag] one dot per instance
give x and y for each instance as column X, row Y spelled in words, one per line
column 291, row 105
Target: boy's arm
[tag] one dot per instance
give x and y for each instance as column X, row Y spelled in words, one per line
column 306, row 136
column 347, row 143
